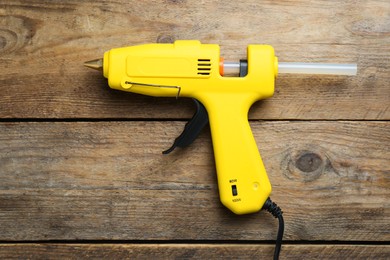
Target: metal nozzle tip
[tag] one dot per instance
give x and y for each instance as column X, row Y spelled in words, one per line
column 94, row 64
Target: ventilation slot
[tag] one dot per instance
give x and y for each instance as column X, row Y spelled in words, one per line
column 204, row 67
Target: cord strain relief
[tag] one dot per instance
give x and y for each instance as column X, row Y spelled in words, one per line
column 272, row 208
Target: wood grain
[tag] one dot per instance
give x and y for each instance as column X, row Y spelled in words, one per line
column 109, row 180
column 81, row 164
column 43, row 45
column 187, row 251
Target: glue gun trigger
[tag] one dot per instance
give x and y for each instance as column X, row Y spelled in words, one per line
column 192, row 129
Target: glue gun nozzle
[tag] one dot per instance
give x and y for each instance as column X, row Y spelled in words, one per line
column 94, row 64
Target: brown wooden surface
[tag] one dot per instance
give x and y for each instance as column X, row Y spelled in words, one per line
column 189, row 251
column 81, row 165
column 45, row 43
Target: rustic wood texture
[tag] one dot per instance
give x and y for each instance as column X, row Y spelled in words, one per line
column 187, row 251
column 81, row 165
column 109, row 180
column 43, row 45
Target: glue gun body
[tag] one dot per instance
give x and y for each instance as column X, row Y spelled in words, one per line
column 195, row 70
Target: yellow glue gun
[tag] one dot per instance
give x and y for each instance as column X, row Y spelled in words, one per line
column 188, row 68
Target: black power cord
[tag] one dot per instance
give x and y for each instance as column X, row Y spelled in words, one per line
column 274, row 209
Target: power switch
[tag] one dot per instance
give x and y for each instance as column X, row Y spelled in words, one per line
column 234, row 190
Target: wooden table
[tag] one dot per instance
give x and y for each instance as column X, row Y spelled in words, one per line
column 81, row 169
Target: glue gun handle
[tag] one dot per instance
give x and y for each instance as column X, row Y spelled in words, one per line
column 242, row 180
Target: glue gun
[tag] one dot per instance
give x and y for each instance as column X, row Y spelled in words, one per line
column 223, row 93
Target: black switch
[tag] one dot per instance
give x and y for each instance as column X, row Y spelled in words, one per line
column 234, row 190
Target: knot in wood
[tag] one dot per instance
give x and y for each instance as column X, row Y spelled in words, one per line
column 15, row 32
column 165, row 38
column 3, row 42
column 308, row 162
column 8, row 40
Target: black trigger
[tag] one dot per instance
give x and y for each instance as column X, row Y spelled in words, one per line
column 192, row 129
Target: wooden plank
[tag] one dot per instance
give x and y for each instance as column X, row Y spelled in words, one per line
column 43, row 45
column 109, row 180
column 188, row 251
